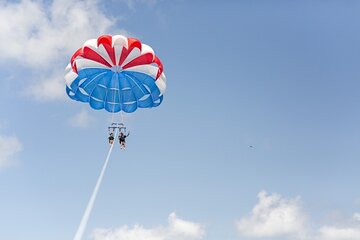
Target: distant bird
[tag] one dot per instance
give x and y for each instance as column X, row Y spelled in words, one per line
column 250, row 146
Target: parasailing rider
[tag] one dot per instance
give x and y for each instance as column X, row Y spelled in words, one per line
column 122, row 138
column 111, row 138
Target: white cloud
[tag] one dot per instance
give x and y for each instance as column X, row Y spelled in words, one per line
column 272, row 216
column 82, row 119
column 278, row 217
column 40, row 35
column 178, row 229
column 9, row 147
column 37, row 34
column 347, row 230
column 339, row 233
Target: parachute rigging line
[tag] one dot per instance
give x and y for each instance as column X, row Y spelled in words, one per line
column 113, row 110
column 122, row 117
column 85, row 218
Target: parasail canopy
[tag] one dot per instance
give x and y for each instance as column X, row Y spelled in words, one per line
column 115, row 73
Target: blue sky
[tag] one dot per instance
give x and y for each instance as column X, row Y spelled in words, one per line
column 281, row 76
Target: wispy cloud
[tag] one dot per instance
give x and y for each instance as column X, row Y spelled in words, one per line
column 82, row 119
column 50, row 87
column 356, row 216
column 40, row 36
column 9, row 147
column 131, row 4
column 177, row 229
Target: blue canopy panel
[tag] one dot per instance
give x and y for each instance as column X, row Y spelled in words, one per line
column 115, row 91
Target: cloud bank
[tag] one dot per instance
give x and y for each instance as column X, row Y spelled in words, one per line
column 272, row 217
